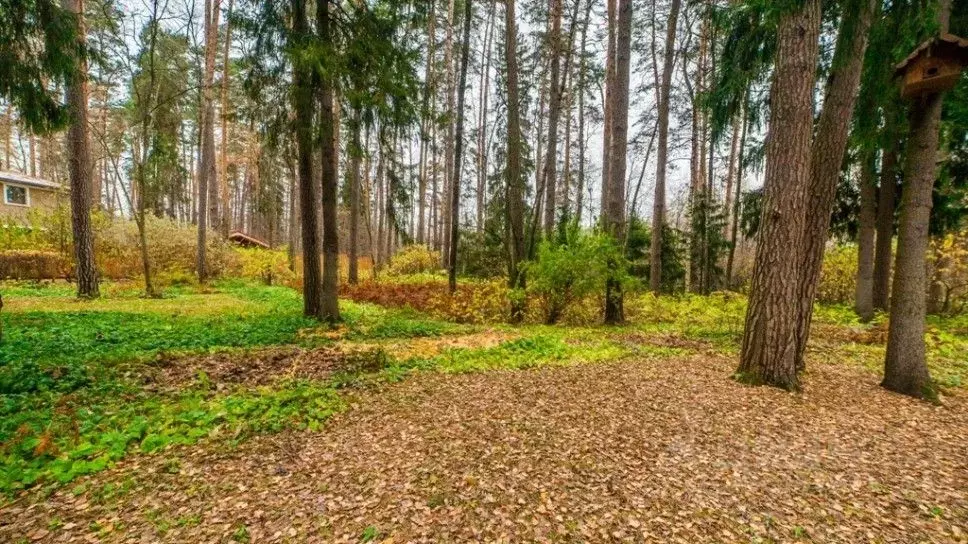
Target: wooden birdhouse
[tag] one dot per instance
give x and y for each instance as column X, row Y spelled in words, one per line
column 934, row 67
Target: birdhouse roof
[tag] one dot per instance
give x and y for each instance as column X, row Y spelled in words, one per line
column 947, row 45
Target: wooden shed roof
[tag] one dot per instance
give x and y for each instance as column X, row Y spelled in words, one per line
column 244, row 239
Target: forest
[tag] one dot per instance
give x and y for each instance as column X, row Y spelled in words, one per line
column 483, row 271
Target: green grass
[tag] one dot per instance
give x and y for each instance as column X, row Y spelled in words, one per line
column 73, row 398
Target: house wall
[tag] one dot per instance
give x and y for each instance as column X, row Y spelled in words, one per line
column 41, row 200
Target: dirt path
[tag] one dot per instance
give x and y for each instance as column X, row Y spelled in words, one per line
column 654, row 451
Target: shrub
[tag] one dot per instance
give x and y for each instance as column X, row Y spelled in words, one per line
column 474, row 302
column 266, row 265
column 571, row 270
column 949, row 254
column 838, row 277
column 33, row 265
column 171, row 248
column 414, row 259
column 482, row 254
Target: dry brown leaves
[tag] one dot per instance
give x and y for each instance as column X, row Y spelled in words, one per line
column 252, row 367
column 659, row 450
column 432, row 346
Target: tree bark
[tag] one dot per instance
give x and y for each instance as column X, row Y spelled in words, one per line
column 615, row 212
column 905, row 366
column 485, row 84
column 356, row 151
column 328, row 132
column 550, row 172
column 734, row 216
column 226, row 221
column 304, row 106
column 885, row 230
column 769, row 340
column 458, row 152
column 864, row 292
column 827, row 157
column 207, row 205
column 608, row 101
column 514, row 189
column 450, row 68
column 80, row 166
column 426, row 120
column 662, row 154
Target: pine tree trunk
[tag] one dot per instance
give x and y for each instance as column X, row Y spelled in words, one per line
column 864, row 293
column 80, row 168
column 615, row 212
column 304, row 106
column 450, row 68
column 328, row 134
column 515, row 176
column 458, row 152
column 734, row 227
column 356, row 151
column 550, row 171
column 608, row 105
column 885, row 230
column 731, row 173
column 827, row 157
column 582, row 78
column 905, row 367
column 425, row 122
column 485, row 84
column 226, row 221
column 769, row 340
column 207, row 199
column 662, row 154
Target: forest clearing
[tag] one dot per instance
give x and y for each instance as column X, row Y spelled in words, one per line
column 220, row 412
column 484, row 271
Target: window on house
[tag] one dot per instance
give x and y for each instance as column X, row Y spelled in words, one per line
column 15, row 195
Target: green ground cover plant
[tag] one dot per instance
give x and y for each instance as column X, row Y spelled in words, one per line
column 74, row 396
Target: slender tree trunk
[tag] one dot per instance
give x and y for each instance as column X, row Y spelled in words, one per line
column 425, row 126
column 304, row 106
column 864, row 293
column 458, row 152
column 207, row 208
column 609, row 100
column 328, row 134
column 80, row 167
column 515, row 177
column 615, row 212
column 293, row 217
column 450, row 68
column 356, row 151
column 731, row 173
column 485, row 84
column 883, row 251
column 226, row 221
column 662, row 154
column 582, row 78
column 769, row 340
column 734, row 228
column 550, row 172
column 827, row 157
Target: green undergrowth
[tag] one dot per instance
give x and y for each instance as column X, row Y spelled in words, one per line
column 541, row 346
column 72, row 395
